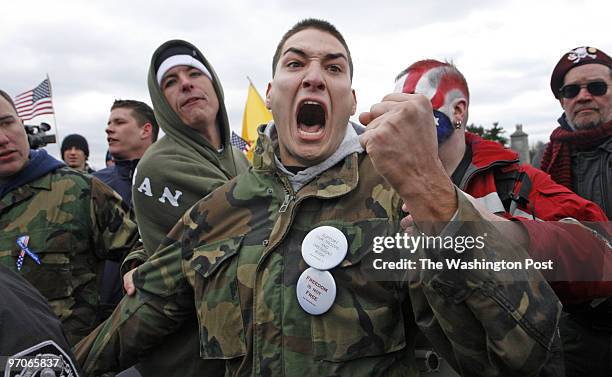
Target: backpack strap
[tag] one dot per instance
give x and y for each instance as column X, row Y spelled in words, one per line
column 513, row 188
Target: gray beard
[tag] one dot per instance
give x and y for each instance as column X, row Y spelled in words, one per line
column 587, row 126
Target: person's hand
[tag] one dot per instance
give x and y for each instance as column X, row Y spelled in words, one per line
column 401, row 141
column 128, row 282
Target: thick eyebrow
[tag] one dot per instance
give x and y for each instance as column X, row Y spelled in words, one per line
column 330, row 56
column 337, row 55
column 295, row 51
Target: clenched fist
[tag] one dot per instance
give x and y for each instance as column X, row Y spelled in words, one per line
column 402, row 143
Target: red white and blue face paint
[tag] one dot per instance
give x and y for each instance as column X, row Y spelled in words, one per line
column 444, row 127
column 425, row 80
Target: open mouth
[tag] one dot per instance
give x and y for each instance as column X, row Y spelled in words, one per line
column 311, row 119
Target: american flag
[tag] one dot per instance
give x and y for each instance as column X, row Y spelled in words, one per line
column 240, row 143
column 35, row 102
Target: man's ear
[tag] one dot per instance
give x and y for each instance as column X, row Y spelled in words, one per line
column 268, row 90
column 460, row 110
column 146, row 130
column 354, row 107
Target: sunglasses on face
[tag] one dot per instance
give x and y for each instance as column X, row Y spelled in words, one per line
column 596, row 88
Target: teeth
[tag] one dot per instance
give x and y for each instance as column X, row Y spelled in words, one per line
column 312, row 103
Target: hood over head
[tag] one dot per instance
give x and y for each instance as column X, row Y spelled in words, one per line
column 166, row 55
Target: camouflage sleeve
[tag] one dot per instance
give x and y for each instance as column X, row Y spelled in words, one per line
column 485, row 322
column 137, row 257
column 114, row 230
column 134, row 259
column 162, row 302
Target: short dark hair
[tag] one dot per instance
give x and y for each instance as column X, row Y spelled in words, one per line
column 311, row 23
column 8, row 98
column 141, row 111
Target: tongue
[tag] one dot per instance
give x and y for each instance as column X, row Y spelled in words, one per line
column 309, row 128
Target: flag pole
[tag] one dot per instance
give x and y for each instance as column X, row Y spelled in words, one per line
column 57, row 134
column 245, row 137
column 254, row 87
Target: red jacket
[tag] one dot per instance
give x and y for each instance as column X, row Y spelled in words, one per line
column 582, row 257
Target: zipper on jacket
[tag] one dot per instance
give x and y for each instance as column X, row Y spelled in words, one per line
column 289, row 196
column 286, row 202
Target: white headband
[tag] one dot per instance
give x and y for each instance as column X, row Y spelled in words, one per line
column 176, row 60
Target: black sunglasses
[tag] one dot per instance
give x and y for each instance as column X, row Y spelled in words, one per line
column 596, row 88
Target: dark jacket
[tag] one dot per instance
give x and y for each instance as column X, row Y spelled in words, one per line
column 29, row 327
column 119, row 177
column 592, row 175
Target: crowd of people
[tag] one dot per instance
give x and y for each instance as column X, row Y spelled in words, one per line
column 183, row 259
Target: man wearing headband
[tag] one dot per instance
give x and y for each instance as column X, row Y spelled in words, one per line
column 526, row 195
column 193, row 158
column 241, row 256
column 579, row 156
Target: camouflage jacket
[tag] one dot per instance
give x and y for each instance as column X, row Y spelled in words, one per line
column 73, row 221
column 236, row 260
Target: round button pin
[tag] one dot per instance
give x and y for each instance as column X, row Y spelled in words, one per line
column 324, row 247
column 316, row 291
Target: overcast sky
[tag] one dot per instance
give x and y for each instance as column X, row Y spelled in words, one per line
column 98, row 51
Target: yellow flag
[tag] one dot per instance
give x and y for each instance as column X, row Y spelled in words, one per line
column 255, row 113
